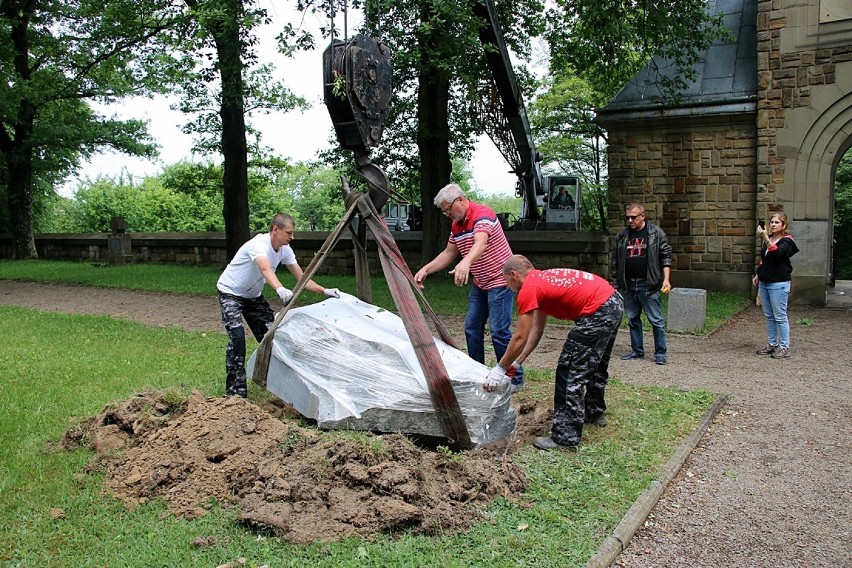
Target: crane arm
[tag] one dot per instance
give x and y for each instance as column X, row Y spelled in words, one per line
column 502, row 110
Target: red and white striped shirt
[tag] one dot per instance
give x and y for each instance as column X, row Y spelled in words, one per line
column 488, row 269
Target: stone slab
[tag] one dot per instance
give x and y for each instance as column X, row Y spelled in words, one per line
column 687, row 310
column 350, row 365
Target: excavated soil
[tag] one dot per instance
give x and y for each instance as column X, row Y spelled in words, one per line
column 286, row 479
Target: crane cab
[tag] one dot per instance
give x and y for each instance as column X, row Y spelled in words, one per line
column 562, row 203
column 396, row 215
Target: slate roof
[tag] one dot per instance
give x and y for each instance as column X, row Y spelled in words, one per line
column 726, row 74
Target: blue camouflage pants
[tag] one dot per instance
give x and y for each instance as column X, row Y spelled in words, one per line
column 259, row 317
column 582, row 371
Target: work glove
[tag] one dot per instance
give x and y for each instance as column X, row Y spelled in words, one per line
column 285, row 294
column 496, row 378
column 332, row 292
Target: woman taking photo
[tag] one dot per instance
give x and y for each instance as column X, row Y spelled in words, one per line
column 772, row 279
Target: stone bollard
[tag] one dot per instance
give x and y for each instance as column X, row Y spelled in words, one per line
column 687, row 310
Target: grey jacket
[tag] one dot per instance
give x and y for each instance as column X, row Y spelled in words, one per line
column 659, row 255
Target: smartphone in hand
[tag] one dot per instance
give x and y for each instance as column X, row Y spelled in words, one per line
column 762, row 225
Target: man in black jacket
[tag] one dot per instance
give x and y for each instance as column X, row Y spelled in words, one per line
column 640, row 266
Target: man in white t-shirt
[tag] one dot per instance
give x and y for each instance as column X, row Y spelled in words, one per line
column 241, row 293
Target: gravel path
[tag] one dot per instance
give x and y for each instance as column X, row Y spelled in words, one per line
column 771, row 483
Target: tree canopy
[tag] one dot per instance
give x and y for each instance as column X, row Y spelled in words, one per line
column 188, row 196
column 606, row 42
column 55, row 57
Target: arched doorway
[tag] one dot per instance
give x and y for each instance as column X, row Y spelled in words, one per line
column 839, row 292
column 812, row 143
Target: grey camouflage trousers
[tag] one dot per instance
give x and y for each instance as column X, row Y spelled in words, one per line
column 582, row 371
column 259, row 317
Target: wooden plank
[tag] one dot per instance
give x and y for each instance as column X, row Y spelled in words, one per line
column 362, row 267
column 437, row 379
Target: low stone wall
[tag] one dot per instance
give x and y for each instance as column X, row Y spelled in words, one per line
column 546, row 249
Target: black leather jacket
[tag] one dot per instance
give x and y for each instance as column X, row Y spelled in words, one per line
column 659, row 255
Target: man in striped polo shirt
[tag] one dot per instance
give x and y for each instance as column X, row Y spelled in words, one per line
column 476, row 234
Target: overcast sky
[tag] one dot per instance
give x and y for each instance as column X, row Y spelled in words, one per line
column 293, row 135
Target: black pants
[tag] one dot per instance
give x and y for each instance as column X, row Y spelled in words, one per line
column 259, row 317
column 583, row 371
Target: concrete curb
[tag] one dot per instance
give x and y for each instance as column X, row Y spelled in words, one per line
column 614, row 544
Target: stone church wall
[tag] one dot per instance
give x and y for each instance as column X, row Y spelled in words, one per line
column 804, row 122
column 697, row 181
column 707, row 177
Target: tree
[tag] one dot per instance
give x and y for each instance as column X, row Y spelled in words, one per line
column 431, row 121
column 188, row 197
column 148, row 205
column 55, row 57
column 223, row 23
column 568, row 136
column 843, row 218
column 226, row 28
column 606, row 42
column 596, row 47
column 435, row 78
column 317, row 201
column 202, row 183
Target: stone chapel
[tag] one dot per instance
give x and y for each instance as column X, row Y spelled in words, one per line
column 761, row 129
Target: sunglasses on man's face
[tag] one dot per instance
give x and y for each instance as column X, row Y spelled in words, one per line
column 633, row 217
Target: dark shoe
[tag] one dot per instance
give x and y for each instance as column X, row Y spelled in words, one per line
column 660, row 359
column 781, row 353
column 768, row 350
column 546, row 443
column 632, row 355
column 237, row 392
column 600, row 421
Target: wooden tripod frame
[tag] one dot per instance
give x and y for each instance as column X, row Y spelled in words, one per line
column 402, row 287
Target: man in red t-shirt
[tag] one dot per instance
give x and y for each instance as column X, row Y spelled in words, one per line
column 477, row 235
column 582, row 371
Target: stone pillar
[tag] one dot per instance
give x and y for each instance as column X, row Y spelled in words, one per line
column 687, row 310
column 119, row 242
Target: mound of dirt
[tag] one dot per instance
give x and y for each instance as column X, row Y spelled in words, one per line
column 293, row 481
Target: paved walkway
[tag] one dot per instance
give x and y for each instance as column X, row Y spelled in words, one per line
column 771, row 482
column 840, row 296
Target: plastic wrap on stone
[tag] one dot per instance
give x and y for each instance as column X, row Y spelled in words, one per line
column 350, row 365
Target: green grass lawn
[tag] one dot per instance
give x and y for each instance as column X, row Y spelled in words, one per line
column 60, row 368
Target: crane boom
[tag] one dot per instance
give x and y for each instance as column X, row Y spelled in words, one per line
column 509, row 117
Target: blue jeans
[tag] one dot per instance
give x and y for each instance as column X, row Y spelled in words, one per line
column 636, row 300
column 773, row 300
column 494, row 307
